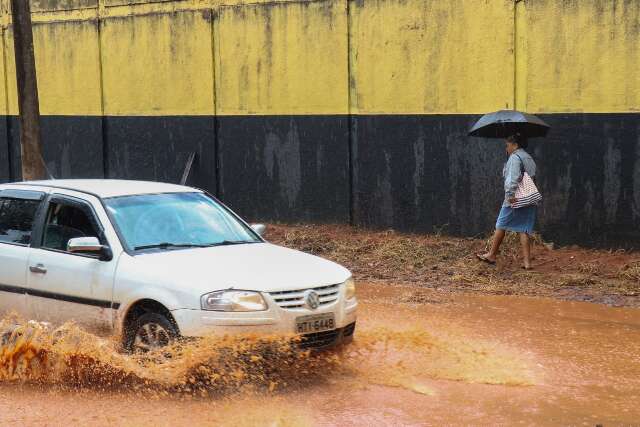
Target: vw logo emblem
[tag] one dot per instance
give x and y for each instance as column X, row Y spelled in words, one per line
column 312, row 299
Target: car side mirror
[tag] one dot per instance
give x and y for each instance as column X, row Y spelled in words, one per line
column 259, row 228
column 90, row 245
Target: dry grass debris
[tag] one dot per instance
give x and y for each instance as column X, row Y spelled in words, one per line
column 630, row 271
column 449, row 263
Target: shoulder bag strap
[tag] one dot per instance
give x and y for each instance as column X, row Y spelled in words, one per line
column 522, row 169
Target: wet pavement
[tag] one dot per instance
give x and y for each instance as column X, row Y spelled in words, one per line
column 419, row 358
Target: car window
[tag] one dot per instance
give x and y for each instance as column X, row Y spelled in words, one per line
column 64, row 222
column 16, row 220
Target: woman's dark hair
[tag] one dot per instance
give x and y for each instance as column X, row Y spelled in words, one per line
column 520, row 139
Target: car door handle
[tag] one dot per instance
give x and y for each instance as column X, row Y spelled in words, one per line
column 38, row 268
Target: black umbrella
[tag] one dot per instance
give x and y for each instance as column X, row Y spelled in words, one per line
column 504, row 123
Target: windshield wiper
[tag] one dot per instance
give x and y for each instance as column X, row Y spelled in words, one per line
column 167, row 245
column 230, row 242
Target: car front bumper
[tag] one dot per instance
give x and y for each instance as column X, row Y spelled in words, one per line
column 326, row 339
column 274, row 320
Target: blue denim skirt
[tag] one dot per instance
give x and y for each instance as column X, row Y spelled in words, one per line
column 519, row 220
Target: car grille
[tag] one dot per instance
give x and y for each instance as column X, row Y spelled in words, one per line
column 295, row 299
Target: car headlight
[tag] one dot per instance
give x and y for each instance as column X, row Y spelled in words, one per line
column 231, row 300
column 350, row 288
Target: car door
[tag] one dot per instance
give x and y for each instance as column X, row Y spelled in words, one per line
column 18, row 212
column 65, row 286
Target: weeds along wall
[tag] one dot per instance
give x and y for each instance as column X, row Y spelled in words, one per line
column 343, row 110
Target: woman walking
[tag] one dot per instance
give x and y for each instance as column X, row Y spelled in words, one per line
column 520, row 220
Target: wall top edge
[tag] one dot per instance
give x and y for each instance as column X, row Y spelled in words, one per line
column 105, row 9
column 346, row 115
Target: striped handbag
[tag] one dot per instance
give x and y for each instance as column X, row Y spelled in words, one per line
column 527, row 193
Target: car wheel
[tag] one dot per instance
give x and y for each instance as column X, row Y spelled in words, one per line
column 150, row 331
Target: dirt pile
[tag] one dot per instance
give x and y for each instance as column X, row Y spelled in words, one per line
column 448, row 263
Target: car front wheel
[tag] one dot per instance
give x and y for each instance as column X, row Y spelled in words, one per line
column 149, row 332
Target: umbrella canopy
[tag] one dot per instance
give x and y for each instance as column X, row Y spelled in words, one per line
column 504, row 123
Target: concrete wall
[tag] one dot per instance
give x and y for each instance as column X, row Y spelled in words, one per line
column 344, row 110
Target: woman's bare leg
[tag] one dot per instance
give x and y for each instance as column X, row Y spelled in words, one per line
column 498, row 237
column 525, row 242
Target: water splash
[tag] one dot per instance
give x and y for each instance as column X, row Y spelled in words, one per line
column 69, row 357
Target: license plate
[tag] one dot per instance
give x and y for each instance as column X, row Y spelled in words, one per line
column 315, row 323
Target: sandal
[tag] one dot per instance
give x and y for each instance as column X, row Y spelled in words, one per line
column 484, row 259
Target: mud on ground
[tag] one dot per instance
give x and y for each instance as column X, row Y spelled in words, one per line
column 426, row 351
column 448, row 264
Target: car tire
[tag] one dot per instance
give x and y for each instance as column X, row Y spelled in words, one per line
column 149, row 332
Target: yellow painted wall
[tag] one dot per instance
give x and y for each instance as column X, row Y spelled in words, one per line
column 68, row 66
column 4, row 109
column 293, row 57
column 432, row 56
column 282, row 59
column 50, row 5
column 158, row 64
column 582, row 56
column 69, row 63
column 10, row 84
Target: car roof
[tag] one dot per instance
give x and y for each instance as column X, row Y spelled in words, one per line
column 105, row 188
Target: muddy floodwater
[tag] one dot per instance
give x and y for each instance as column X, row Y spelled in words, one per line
column 419, row 358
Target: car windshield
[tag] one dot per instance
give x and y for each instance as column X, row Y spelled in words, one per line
column 176, row 220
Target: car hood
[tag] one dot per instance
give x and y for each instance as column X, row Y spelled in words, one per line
column 259, row 266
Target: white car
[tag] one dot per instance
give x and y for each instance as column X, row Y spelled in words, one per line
column 156, row 261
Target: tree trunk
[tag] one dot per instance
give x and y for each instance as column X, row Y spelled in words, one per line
column 33, row 166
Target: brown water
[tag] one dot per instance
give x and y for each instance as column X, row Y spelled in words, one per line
column 419, row 358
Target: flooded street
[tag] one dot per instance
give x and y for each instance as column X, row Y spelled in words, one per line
column 420, row 357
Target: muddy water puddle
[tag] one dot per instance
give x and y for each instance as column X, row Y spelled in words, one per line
column 419, row 358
